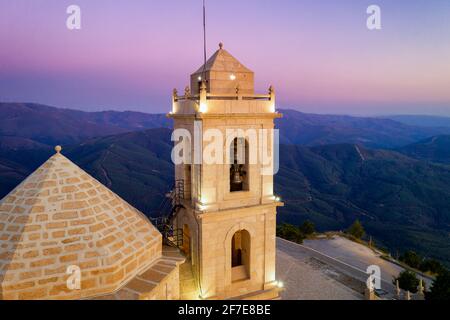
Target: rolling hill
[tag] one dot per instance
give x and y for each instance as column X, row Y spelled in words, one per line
column 51, row 126
column 434, row 149
column 327, row 172
column 402, row 202
column 136, row 165
column 312, row 129
column 422, row 120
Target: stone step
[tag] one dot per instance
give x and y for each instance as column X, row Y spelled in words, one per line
column 270, row 294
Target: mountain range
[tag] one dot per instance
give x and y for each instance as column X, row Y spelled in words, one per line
column 26, row 121
column 421, row 120
column 434, row 149
column 392, row 176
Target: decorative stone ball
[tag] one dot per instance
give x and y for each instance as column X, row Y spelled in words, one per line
column 58, row 149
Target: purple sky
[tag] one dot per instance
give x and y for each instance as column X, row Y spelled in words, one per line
column 318, row 54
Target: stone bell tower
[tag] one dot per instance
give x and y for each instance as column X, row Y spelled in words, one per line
column 229, row 211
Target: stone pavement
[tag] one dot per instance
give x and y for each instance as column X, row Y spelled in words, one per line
column 305, row 279
column 188, row 286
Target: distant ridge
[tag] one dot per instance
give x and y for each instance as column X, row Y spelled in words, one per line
column 51, row 126
column 313, row 129
column 422, row 120
column 434, row 149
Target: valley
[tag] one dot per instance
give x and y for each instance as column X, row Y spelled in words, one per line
column 401, row 197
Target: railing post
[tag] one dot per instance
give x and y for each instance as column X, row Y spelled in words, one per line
column 272, row 97
column 420, row 292
column 272, row 94
column 397, row 288
column 174, row 98
column 408, row 295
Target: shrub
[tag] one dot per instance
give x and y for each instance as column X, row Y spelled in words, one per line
column 289, row 232
column 412, row 259
column 356, row 230
column 408, row 281
column 431, row 265
column 440, row 289
column 307, row 228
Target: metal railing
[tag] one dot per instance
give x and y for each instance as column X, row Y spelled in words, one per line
column 232, row 96
column 169, row 207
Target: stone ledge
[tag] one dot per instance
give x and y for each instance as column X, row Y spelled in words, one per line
column 141, row 286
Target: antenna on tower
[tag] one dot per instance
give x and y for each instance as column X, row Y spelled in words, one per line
column 204, row 40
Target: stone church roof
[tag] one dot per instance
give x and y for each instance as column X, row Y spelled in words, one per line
column 60, row 217
column 223, row 61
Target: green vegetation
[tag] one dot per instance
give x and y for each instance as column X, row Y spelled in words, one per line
column 431, row 265
column 440, row 290
column 402, row 203
column 400, row 197
column 290, row 232
column 296, row 234
column 307, row 228
column 413, row 260
column 408, row 281
column 356, row 230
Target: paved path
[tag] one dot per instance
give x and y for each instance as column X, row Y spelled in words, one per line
column 305, row 279
column 359, row 257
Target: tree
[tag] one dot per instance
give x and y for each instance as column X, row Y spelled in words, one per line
column 307, row 228
column 356, row 230
column 289, row 232
column 408, row 281
column 440, row 289
column 432, row 266
column 411, row 258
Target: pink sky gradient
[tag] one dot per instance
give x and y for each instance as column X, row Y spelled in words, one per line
column 318, row 54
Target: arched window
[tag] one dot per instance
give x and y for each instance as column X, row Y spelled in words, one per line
column 239, row 153
column 240, row 256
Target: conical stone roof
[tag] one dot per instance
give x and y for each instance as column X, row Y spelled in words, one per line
column 61, row 218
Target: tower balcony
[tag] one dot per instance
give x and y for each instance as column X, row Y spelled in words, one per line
column 222, row 104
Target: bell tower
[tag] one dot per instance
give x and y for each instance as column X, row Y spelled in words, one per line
column 224, row 134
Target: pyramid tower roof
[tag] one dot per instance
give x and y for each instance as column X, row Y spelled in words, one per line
column 60, row 218
column 222, row 60
column 223, row 74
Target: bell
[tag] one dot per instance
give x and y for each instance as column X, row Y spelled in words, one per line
column 237, row 178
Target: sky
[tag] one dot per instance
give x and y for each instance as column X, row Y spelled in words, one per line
column 318, row 54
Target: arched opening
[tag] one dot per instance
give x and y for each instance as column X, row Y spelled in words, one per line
column 186, row 249
column 240, row 256
column 239, row 153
